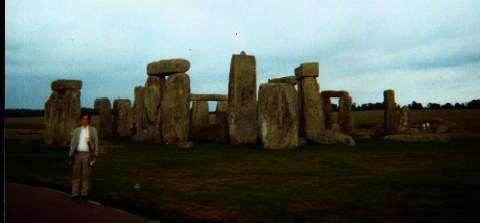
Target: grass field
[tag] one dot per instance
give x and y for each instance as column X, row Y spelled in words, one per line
column 375, row 181
column 468, row 118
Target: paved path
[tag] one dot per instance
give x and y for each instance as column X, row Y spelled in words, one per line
column 33, row 204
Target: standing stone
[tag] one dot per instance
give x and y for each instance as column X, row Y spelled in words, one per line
column 200, row 121
column 221, row 121
column 327, row 112
column 153, row 92
column 277, row 116
column 403, row 122
column 175, row 118
column 312, row 118
column 62, row 111
column 102, row 108
column 242, row 103
column 121, row 117
column 344, row 114
column 141, row 122
column 389, row 112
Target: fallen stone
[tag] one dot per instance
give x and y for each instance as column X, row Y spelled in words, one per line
column 330, row 137
column 242, row 100
column 424, row 137
column 292, row 80
column 175, row 109
column 168, row 67
column 277, row 116
column 310, row 69
column 185, row 145
column 208, row 97
column 60, row 85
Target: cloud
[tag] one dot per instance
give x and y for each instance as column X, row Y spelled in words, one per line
column 107, row 44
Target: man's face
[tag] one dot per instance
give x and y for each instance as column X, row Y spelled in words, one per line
column 84, row 120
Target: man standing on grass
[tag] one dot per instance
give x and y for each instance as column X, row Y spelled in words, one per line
column 83, row 154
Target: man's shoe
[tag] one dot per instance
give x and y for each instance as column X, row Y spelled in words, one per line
column 75, row 198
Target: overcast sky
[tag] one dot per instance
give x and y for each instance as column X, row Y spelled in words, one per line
column 427, row 52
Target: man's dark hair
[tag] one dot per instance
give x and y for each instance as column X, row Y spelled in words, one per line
column 85, row 114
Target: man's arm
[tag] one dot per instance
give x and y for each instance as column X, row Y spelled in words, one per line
column 72, row 142
column 95, row 137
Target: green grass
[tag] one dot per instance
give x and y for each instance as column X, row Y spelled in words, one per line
column 375, row 181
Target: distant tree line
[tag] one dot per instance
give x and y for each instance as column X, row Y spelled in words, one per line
column 35, row 112
column 474, row 104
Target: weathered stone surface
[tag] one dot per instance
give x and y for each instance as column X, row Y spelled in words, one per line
column 425, row 137
column 327, row 112
column 336, row 128
column 102, row 108
column 153, row 93
column 344, row 115
column 121, row 117
column 242, row 102
column 60, row 85
column 310, row 69
column 337, row 94
column 331, row 137
column 175, row 118
column 221, row 121
column 208, row 97
column 292, row 80
column 140, row 134
column 389, row 123
column 311, row 118
column 167, row 67
column 277, row 116
column 62, row 115
column 200, row 121
column 403, row 122
column 185, row 145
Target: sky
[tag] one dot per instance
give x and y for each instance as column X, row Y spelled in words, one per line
column 427, row 51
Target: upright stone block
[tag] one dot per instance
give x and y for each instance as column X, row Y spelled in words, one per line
column 153, row 93
column 200, row 121
column 122, row 117
column 344, row 115
column 242, row 103
column 174, row 109
column 389, row 112
column 141, row 122
column 102, row 108
column 62, row 112
column 312, row 118
column 327, row 112
column 277, row 111
column 221, row 121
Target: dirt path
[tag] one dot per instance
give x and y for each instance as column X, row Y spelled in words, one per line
column 33, row 204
